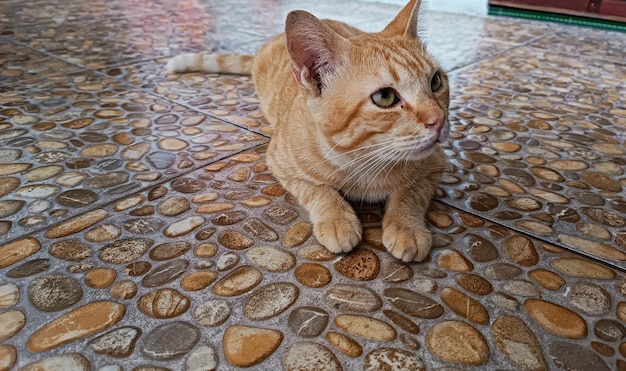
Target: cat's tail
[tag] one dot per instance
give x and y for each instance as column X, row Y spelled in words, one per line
column 239, row 64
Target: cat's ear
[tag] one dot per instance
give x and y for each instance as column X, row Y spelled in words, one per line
column 314, row 49
column 405, row 22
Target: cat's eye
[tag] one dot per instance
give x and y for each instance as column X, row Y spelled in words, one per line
column 436, row 82
column 385, row 98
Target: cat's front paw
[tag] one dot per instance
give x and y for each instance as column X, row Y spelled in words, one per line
column 338, row 234
column 407, row 244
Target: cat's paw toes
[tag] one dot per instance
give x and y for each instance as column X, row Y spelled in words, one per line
column 407, row 244
column 338, row 235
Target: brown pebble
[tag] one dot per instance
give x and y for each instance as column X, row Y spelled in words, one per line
column 344, row 344
column 246, row 346
column 313, row 275
column 547, row 279
column 458, row 342
column 198, row 280
column 556, row 319
column 100, row 278
column 238, row 281
column 163, row 303
column 474, row 284
column 298, row 234
column 464, row 305
column 359, row 264
column 124, row 290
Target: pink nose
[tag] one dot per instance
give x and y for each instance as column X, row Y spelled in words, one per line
column 435, row 122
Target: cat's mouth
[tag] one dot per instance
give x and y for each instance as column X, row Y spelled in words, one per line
column 423, row 148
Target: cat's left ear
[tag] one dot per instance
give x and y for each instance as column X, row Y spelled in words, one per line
column 405, row 23
column 315, row 50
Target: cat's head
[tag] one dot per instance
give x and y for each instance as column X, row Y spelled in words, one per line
column 379, row 95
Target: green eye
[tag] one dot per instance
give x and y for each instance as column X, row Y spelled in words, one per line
column 385, row 98
column 436, row 82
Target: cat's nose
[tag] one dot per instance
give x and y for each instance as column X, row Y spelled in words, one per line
column 435, row 122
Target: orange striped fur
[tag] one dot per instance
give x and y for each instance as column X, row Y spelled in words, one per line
column 324, row 87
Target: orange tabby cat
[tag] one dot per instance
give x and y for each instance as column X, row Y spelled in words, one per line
column 354, row 114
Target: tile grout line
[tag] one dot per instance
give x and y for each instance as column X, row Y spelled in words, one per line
column 524, row 44
column 538, row 238
column 142, row 189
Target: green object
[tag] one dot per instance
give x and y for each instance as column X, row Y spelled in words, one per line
column 560, row 18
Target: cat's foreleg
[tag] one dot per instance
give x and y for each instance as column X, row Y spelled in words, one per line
column 335, row 224
column 405, row 234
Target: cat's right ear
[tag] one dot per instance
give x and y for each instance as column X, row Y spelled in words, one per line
column 315, row 50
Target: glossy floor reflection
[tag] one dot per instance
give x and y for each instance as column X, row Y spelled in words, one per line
column 141, row 230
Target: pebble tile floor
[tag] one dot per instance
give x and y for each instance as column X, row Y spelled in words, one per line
column 141, row 230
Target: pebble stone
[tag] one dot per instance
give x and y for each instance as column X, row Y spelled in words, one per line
column 137, row 268
column 520, row 249
column 242, row 279
column 165, row 273
column 54, row 293
column 547, row 279
column 576, row 267
column 392, row 359
column 246, row 346
column 30, row 268
column 125, row 250
column 118, row 343
column 123, row 290
column 169, row 250
column 609, row 330
column 272, row 259
column 589, row 298
column 183, row 226
column 397, row 272
column 170, row 340
column 454, row 261
column 307, row 322
column 465, row 306
column 270, row 300
column 353, row 298
column 71, row 361
column 556, row 319
column 227, row 260
column 100, row 278
column 402, row 322
column 11, row 322
column 8, row 356
column 517, row 342
column 457, row 342
column 359, row 264
column 198, row 280
column 313, row 275
column 413, row 304
column 103, row 233
column 571, row 356
column 13, row 252
column 76, row 224
column 203, row 358
column 315, row 253
column 344, row 344
column 308, row 356
column 235, row 240
column 213, row 312
column 297, row 234
column 9, row 295
column 365, row 327
column 84, row 321
column 474, row 283
column 164, row 303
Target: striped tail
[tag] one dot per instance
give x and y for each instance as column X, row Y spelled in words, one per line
column 238, row 64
